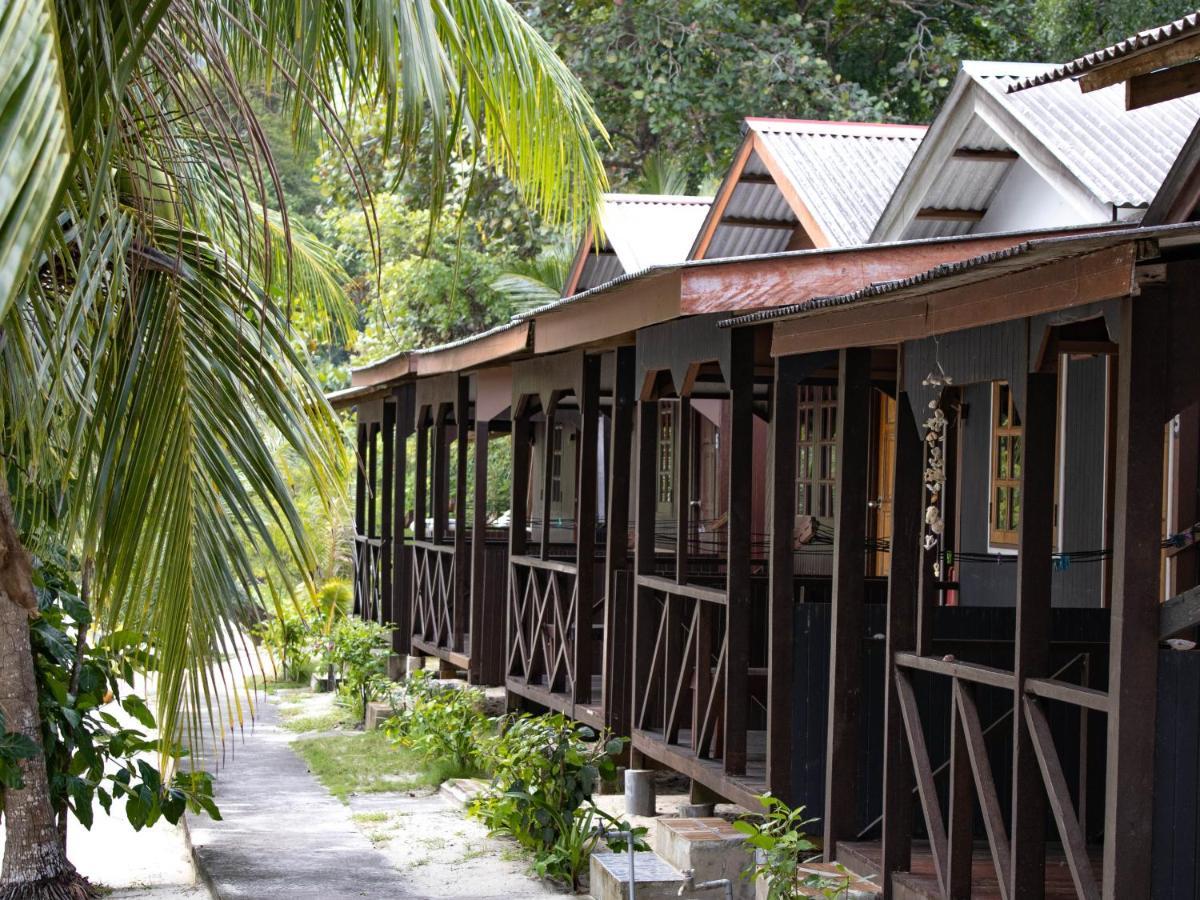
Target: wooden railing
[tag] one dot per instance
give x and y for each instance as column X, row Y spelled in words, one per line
column 543, row 598
column 434, row 596
column 681, row 631
column 369, row 556
column 970, row 769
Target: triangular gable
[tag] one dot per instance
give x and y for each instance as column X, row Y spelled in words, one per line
column 640, row 231
column 1000, row 161
column 800, row 184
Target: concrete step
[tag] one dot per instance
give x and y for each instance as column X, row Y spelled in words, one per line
column 462, row 790
column 710, row 847
column 654, row 878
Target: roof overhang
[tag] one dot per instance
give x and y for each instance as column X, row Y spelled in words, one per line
column 1150, row 62
column 1032, row 277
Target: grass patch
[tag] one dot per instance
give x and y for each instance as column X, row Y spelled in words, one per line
column 274, row 687
column 299, row 720
column 367, row 763
column 369, row 817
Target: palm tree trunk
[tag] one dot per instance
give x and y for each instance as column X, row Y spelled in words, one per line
column 35, row 861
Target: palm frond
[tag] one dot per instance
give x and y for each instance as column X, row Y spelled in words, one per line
column 34, row 135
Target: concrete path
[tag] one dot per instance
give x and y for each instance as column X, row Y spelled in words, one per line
column 283, row 835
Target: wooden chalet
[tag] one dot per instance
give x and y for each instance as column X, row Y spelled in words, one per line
column 880, row 500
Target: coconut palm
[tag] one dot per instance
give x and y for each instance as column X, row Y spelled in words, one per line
column 147, row 273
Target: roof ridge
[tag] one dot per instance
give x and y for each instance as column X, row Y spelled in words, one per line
column 831, row 127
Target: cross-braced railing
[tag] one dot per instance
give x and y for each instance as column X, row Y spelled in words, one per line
column 369, row 555
column 681, row 695
column 543, row 600
column 433, row 595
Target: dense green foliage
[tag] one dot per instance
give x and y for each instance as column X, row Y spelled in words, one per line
column 97, row 734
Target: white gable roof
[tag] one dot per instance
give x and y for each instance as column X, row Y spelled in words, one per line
column 1100, row 157
column 640, row 230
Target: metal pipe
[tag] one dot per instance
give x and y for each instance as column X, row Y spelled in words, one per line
column 604, row 835
column 690, row 884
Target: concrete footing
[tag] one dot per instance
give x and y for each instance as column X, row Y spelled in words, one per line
column 377, row 714
column 639, row 792
column 654, row 879
column 710, row 848
column 413, row 664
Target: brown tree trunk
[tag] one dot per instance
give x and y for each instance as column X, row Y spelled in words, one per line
column 35, row 862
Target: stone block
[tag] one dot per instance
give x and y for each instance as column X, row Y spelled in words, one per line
column 377, row 713
column 654, row 879
column 711, row 848
column 462, row 790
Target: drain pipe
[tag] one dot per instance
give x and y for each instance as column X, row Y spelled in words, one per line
column 690, row 884
column 605, row 835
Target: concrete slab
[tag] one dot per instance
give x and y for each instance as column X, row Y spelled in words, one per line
column 654, row 878
column 283, row 834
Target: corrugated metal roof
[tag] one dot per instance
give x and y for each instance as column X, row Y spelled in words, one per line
column 1143, row 40
column 1120, row 155
column 1109, row 156
column 844, row 172
column 977, row 268
column 643, row 230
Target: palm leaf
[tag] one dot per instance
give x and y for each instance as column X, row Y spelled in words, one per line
column 34, row 136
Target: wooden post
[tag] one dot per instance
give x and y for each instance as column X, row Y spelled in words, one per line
column 1133, row 648
column 462, row 568
column 683, row 488
column 360, row 512
column 643, row 559
column 387, row 511
column 586, row 485
column 848, row 617
column 962, row 806
column 547, row 471
column 1032, row 659
column 401, row 601
column 618, row 613
column 518, row 535
column 907, row 502
column 479, row 555
column 739, row 529
column 421, row 509
column 441, row 477
column 782, row 576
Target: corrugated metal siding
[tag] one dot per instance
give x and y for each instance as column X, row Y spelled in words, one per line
column 750, row 200
column 1082, row 493
column 844, row 176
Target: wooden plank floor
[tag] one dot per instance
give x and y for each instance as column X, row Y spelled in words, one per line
column 864, row 859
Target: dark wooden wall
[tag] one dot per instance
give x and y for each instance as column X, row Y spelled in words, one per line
column 989, row 583
column 1177, row 776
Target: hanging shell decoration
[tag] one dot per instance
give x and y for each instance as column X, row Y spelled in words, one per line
column 935, row 466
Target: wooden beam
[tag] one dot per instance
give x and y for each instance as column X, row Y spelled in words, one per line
column 682, row 482
column 746, row 222
column 479, row 555
column 950, row 215
column 618, row 609
column 975, row 154
column 1032, row 650
column 400, row 613
column 907, row 496
column 1157, row 56
column 1133, row 653
column 1179, row 614
column 1160, row 86
column 387, row 512
column 586, row 486
column 737, row 578
column 721, row 201
column 462, row 563
column 842, row 770
column 781, row 619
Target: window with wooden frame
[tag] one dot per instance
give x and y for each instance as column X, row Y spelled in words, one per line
column 1007, row 456
column 556, row 453
column 816, row 450
column 666, row 453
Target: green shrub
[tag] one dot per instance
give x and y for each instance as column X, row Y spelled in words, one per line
column 445, row 724
column 358, row 650
column 545, row 770
column 779, row 836
column 288, row 638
